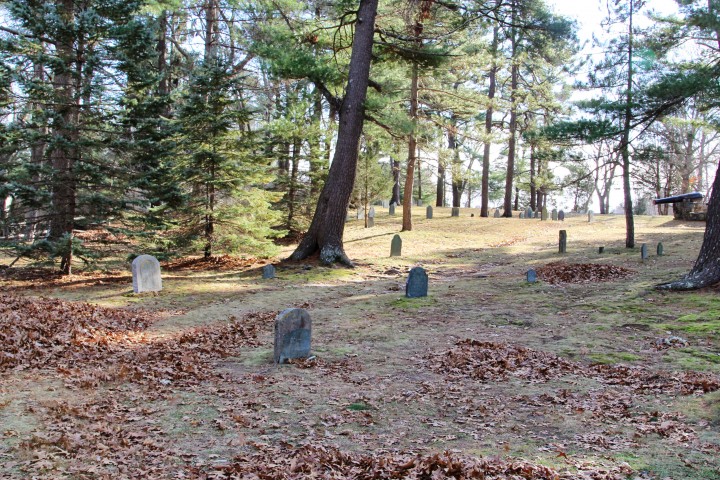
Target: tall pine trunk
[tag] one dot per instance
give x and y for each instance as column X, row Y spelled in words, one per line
column 412, row 154
column 625, row 142
column 485, row 189
column 514, row 77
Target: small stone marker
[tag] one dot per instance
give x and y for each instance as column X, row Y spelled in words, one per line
column 591, row 216
column 417, row 283
column 497, row 213
column 643, row 252
column 601, row 249
column 660, row 249
column 563, row 241
column 360, row 213
column 544, row 214
column 392, row 209
column 528, row 212
column 419, row 202
column 429, row 212
column 531, row 276
column 522, row 215
column 554, row 214
column 561, row 215
column 292, row 335
column 371, row 217
column 537, row 213
column 396, row 246
column 385, row 204
column 146, row 274
column 268, row 271
column 455, row 212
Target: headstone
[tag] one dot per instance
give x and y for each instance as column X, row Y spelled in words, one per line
column 497, row 213
column 371, row 212
column 146, row 274
column 522, row 215
column 591, row 216
column 528, row 212
column 292, row 335
column 385, row 204
column 429, row 212
column 660, row 249
column 537, row 213
column 561, row 215
column 371, row 222
column 601, row 250
column 419, row 202
column 392, row 209
column 544, row 215
column 643, row 251
column 531, row 276
column 563, row 241
column 396, row 246
column 455, row 212
column 268, row 271
column 360, row 213
column 417, row 283
column 554, row 214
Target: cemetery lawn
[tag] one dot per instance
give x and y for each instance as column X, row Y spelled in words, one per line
column 588, row 373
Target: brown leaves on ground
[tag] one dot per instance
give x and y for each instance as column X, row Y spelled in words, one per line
column 561, row 272
column 93, row 344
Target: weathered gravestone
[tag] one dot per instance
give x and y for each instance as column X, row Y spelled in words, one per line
column 371, row 217
column 562, row 246
column 528, row 212
column 392, row 209
column 643, row 252
column 360, row 213
column 561, row 215
column 146, row 274
column 292, row 335
column 537, row 213
column 419, row 202
column 531, row 276
column 497, row 213
column 522, row 215
column 396, row 246
column 601, row 249
column 544, row 214
column 554, row 214
column 417, row 283
column 660, row 249
column 429, row 212
column 455, row 212
column 591, row 216
column 268, row 271
column 385, row 204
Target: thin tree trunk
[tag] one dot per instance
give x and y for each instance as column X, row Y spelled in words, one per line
column 395, row 197
column 412, row 154
column 514, row 77
column 533, row 193
column 485, row 189
column 625, row 145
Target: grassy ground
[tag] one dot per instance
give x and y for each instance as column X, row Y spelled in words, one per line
column 382, row 381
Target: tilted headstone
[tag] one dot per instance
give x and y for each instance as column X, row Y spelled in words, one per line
column 497, row 213
column 563, row 241
column 392, row 209
column 554, row 214
column 561, row 215
column 146, row 274
column 268, row 271
column 417, row 283
column 660, row 249
column 528, row 212
column 455, row 212
column 429, row 212
column 531, row 276
column 643, row 251
column 591, row 216
column 292, row 335
column 544, row 215
column 396, row 246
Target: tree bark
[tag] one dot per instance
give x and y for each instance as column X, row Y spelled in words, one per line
column 412, row 154
column 395, row 198
column 625, row 142
column 514, row 74
column 326, row 230
column 485, row 189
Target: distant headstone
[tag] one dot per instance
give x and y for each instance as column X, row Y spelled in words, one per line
column 268, row 271
column 417, row 283
column 455, row 212
column 537, row 213
column 146, row 274
column 522, row 215
column 643, row 251
column 371, row 212
column 561, row 215
column 292, row 335
column 591, row 216
column 531, row 276
column 371, row 222
column 392, row 209
column 497, row 213
column 563, row 241
column 528, row 212
column 660, row 249
column 396, row 246
column 429, row 212
column 554, row 214
column 360, row 213
column 419, row 202
column 544, row 214
column 385, row 204
column 601, row 250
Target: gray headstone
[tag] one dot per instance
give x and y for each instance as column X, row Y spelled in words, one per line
column 417, row 283
column 643, row 251
column 660, row 249
column 561, row 215
column 563, row 242
column 544, row 214
column 554, row 214
column 371, row 222
column 522, row 215
column 292, row 335
column 385, row 204
column 419, row 202
column 497, row 213
column 268, row 271
column 455, row 212
column 146, row 274
column 591, row 216
column 601, row 249
column 429, row 212
column 392, row 209
column 371, row 212
column 536, row 214
column 360, row 213
column 531, row 276
column 528, row 212
column 396, row 246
